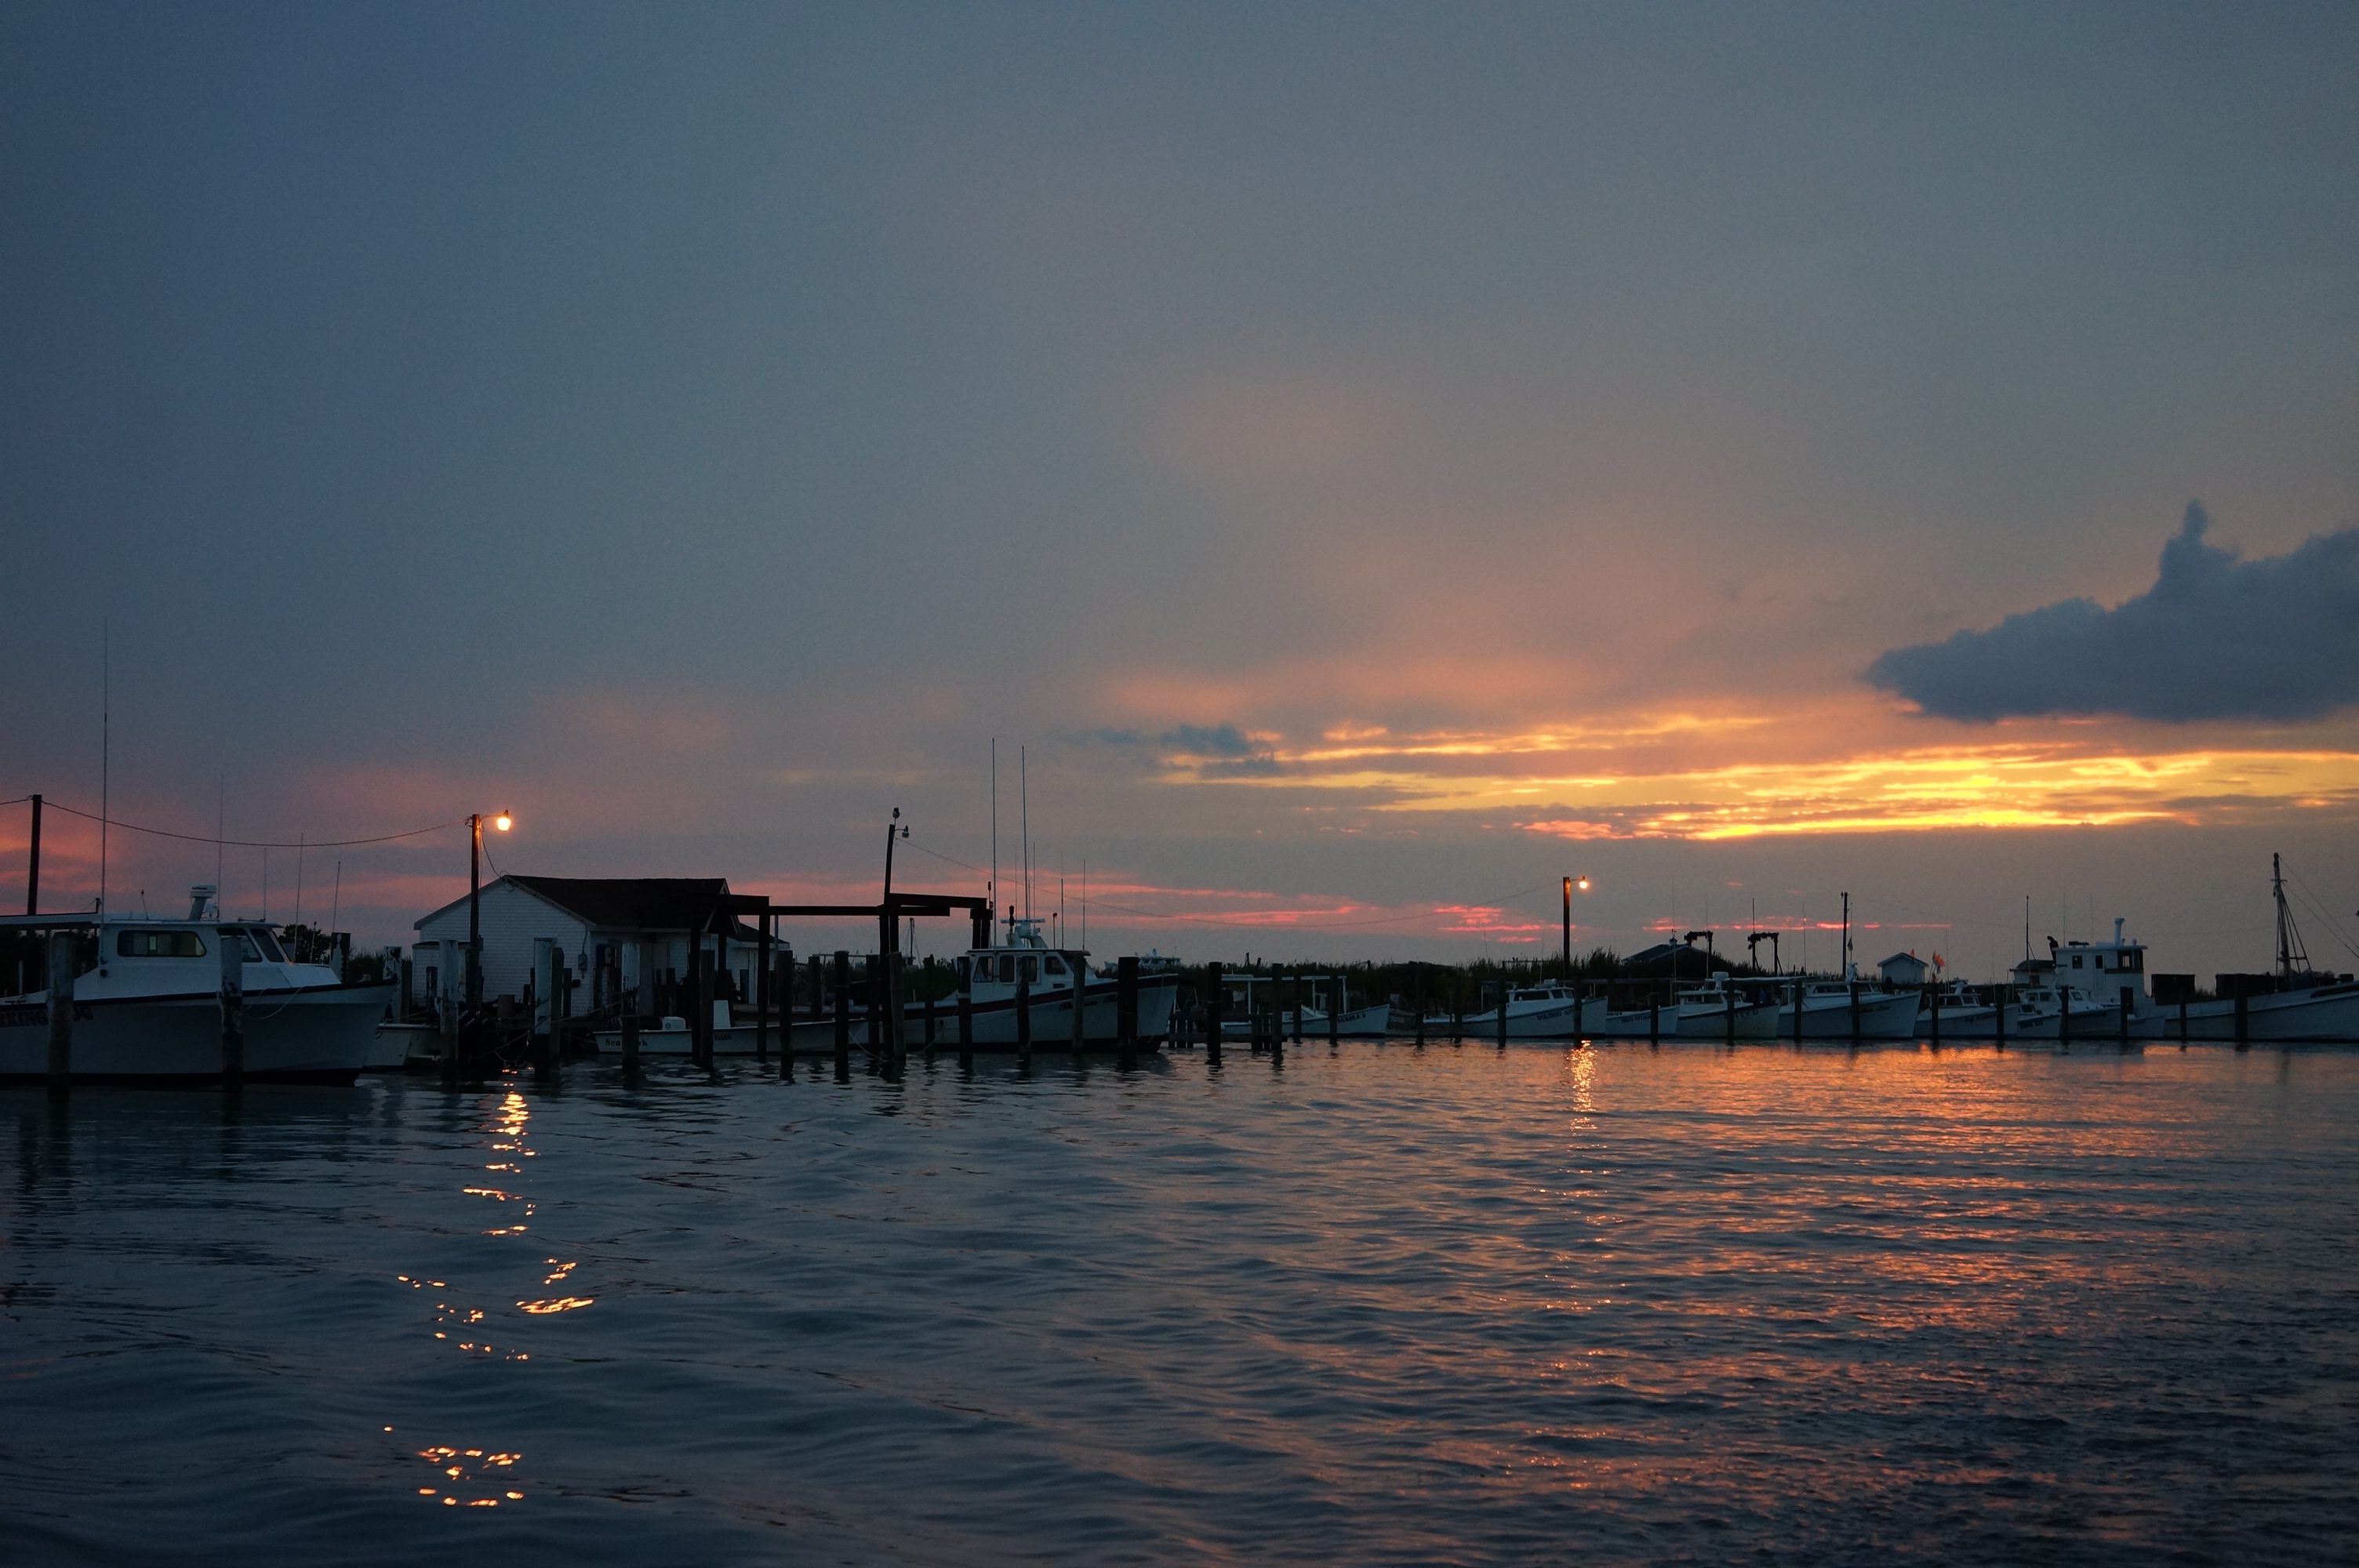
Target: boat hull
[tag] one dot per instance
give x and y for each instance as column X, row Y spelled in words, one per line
column 2324, row 1015
column 300, row 1037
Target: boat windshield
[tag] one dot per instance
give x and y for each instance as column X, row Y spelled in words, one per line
column 261, row 947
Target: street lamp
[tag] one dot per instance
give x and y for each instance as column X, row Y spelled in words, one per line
column 502, row 821
column 1569, row 883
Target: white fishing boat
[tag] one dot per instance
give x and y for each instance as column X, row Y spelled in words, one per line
column 1552, row 1010
column 1372, row 1021
column 2295, row 1004
column 1050, row 982
column 1716, row 1010
column 2050, row 1013
column 147, row 1005
column 1957, row 1010
column 1825, row 1009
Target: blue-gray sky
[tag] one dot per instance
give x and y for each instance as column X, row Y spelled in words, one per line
column 1371, row 457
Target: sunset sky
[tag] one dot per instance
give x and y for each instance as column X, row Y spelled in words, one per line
column 1372, row 460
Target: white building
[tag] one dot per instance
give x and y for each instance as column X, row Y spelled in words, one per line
column 628, row 940
column 1903, row 970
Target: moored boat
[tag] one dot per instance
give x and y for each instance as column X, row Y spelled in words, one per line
column 147, row 1006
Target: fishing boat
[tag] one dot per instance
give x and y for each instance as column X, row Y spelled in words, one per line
column 2050, row 1013
column 1716, row 1010
column 147, row 1005
column 1825, row 1009
column 2295, row 1003
column 1052, row 981
column 1372, row 1021
column 1552, row 1010
column 1959, row 1009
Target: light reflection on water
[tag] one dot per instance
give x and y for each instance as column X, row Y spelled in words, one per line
column 1619, row 1304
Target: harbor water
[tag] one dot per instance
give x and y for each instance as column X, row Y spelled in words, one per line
column 1457, row 1304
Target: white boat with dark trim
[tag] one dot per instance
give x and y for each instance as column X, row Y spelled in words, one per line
column 147, row 1006
column 1824, row 1011
column 1052, row 980
column 1716, row 1009
column 2052, row 1012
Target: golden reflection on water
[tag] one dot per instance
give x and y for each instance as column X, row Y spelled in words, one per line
column 473, row 1467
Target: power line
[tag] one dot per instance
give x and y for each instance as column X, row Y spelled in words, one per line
column 249, row 843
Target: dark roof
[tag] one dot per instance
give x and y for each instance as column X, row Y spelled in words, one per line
column 633, row 903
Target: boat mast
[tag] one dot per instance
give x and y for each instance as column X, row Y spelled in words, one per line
column 992, row 931
column 2290, row 951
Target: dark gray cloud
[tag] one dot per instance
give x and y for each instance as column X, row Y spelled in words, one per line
column 1219, row 741
column 2216, row 637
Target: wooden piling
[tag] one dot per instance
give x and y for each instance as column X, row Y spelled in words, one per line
column 1024, row 1023
column 2244, row 1020
column 1335, row 1013
column 1999, row 1017
column 1654, row 1019
column 1854, row 1010
column 700, row 1017
column 1933, row 1027
column 61, row 990
column 966, row 1019
column 233, row 1009
column 843, row 1013
column 1213, row 999
column 2063, row 1015
column 1729, row 1000
column 1505, row 990
column 761, row 988
column 2123, row 1022
column 1080, row 977
column 927, row 984
column 1125, row 1006
column 784, row 995
column 630, row 1043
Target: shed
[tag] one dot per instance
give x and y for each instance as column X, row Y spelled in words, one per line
column 1904, row 970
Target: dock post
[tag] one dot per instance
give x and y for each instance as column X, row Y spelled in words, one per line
column 700, row 1009
column 2182, row 1024
column 966, row 1018
column 783, row 994
column 818, row 990
column 842, row 1014
column 551, row 983
column 1505, row 990
column 1213, row 998
column 2243, row 1021
column 1335, row 1013
column 1298, row 1005
column 543, row 1000
column 1024, row 1023
column 62, row 990
column 1798, row 1010
column 1998, row 1018
column 1933, row 999
column 761, row 996
column 1731, row 999
column 1125, row 1006
column 1081, row 968
column 929, row 986
column 1854, row 1011
column 2063, row 1017
column 1654, row 1019
column 2123, row 1022
column 630, row 1043
column 233, row 1009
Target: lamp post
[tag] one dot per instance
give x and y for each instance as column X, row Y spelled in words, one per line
column 502, row 822
column 1569, row 883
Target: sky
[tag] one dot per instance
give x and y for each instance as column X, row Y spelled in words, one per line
column 1359, row 464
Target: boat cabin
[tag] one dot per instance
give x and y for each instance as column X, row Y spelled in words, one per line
column 1024, row 959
